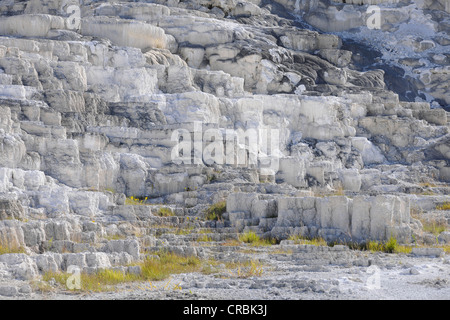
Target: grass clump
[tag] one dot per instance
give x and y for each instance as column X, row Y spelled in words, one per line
column 115, row 237
column 154, row 268
column 165, row 212
column 133, row 201
column 255, row 269
column 231, row 243
column 166, row 264
column 428, row 185
column 444, row 206
column 5, row 249
column 249, row 237
column 245, row 269
column 96, row 282
column 255, row 240
column 204, row 238
column 435, row 227
column 432, row 225
column 215, row 211
column 311, row 241
column 390, row 246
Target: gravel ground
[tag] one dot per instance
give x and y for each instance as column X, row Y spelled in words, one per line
column 283, row 277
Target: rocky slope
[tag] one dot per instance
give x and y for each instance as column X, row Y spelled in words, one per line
column 96, row 98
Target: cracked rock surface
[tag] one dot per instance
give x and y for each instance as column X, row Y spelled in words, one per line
column 345, row 138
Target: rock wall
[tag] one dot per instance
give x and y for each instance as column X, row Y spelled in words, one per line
column 91, row 111
column 335, row 218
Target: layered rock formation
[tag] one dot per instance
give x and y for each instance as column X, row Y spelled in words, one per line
column 92, row 93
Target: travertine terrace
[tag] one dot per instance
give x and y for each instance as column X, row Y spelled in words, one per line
column 345, row 138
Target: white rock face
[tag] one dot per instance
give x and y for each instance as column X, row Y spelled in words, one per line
column 312, row 134
column 125, row 33
column 333, row 218
column 32, row 25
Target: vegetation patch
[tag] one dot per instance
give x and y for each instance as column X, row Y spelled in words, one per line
column 434, row 226
column 204, row 238
column 159, row 267
column 165, row 212
column 246, row 269
column 444, row 206
column 133, row 201
column 305, row 240
column 4, row 249
column 215, row 211
column 255, row 240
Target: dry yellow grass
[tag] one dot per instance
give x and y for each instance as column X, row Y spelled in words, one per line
column 5, row 248
column 252, row 238
column 311, row 241
column 444, row 206
column 153, row 269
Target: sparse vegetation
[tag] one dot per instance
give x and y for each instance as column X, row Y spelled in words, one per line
column 184, row 231
column 133, row 201
column 246, row 269
column 249, row 237
column 204, row 238
column 95, row 282
column 115, row 237
column 444, row 206
column 304, row 240
column 4, row 249
column 255, row 240
column 165, row 212
column 215, row 211
column 390, row 246
column 166, row 264
column 428, row 185
column 434, row 226
column 231, row 243
column 155, row 268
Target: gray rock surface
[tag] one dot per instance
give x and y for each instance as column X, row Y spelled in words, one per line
column 124, row 124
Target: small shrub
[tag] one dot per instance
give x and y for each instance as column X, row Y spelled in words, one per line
column 249, row 237
column 391, row 245
column 374, row 246
column 215, row 211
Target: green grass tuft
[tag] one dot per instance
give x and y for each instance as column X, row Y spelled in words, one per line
column 215, row 211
